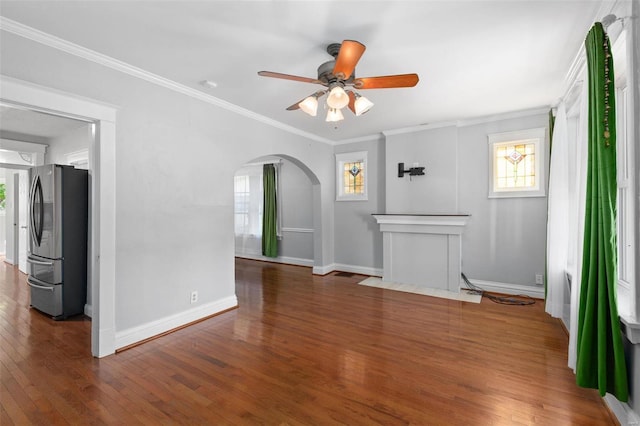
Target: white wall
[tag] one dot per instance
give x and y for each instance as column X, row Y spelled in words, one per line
column 175, row 161
column 73, row 141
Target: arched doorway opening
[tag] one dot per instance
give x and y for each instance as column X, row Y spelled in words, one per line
column 299, row 205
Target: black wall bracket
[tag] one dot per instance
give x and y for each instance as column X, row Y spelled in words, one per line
column 412, row 171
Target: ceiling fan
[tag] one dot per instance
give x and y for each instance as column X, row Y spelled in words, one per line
column 339, row 73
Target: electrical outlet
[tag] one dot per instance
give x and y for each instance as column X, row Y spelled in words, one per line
column 539, row 279
column 194, row 296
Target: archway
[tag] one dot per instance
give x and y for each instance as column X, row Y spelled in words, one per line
column 316, row 201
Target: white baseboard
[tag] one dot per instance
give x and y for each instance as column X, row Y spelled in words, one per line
column 354, row 269
column 88, row 310
column 324, row 270
column 137, row 334
column 507, row 288
column 623, row 412
column 280, row 259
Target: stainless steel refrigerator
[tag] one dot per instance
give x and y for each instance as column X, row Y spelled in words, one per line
column 58, row 216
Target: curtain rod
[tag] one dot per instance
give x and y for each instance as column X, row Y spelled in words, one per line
column 262, row 163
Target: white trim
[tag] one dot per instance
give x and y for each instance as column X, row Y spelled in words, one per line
column 466, row 122
column 107, row 61
column 300, row 230
column 535, row 136
column 355, row 269
column 419, row 128
column 14, row 145
column 507, row 288
column 623, row 412
column 367, row 138
column 145, row 331
column 324, row 270
column 631, row 330
column 504, row 116
column 78, row 157
column 280, row 259
column 103, row 202
column 88, row 310
column 350, row 157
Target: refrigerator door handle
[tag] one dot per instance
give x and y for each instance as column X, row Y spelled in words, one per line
column 37, row 224
column 33, row 282
column 38, row 262
column 32, row 196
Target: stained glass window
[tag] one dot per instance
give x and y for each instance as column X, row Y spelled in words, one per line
column 517, row 164
column 351, row 176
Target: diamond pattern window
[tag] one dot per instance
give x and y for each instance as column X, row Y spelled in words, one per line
column 351, row 176
column 517, row 164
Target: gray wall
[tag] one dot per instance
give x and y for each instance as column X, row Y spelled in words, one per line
column 358, row 240
column 297, row 213
column 504, row 241
column 436, row 192
column 175, row 161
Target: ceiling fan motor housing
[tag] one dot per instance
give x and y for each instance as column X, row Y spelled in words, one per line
column 325, row 74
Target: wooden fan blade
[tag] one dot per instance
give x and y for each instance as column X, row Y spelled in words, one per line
column 296, row 106
column 387, row 81
column 288, row 77
column 348, row 57
column 352, row 101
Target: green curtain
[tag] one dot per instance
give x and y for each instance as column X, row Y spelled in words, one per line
column 600, row 352
column 269, row 212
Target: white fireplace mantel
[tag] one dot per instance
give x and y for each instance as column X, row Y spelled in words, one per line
column 423, row 250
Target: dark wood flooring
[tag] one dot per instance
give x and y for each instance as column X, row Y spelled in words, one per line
column 300, row 350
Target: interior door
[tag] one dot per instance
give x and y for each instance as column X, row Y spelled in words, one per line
column 22, row 205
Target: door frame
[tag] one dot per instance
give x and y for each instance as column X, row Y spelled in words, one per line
column 102, row 160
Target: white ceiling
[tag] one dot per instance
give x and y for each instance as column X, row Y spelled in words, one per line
column 474, row 58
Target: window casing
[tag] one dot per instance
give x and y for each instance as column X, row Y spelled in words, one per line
column 351, row 176
column 516, row 164
column 626, row 288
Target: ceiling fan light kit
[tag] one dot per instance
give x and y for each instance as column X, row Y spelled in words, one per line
column 337, row 98
column 310, row 105
column 362, row 105
column 334, row 115
column 340, row 73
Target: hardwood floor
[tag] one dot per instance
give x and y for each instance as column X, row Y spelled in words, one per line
column 299, row 350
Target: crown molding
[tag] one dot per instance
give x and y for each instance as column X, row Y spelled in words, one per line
column 419, row 128
column 469, row 122
column 46, row 39
column 368, row 138
column 503, row 116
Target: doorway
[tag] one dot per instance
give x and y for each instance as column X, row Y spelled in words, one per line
column 13, row 217
column 298, row 206
column 102, row 160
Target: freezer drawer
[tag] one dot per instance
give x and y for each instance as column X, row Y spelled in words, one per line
column 46, row 297
column 47, row 270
